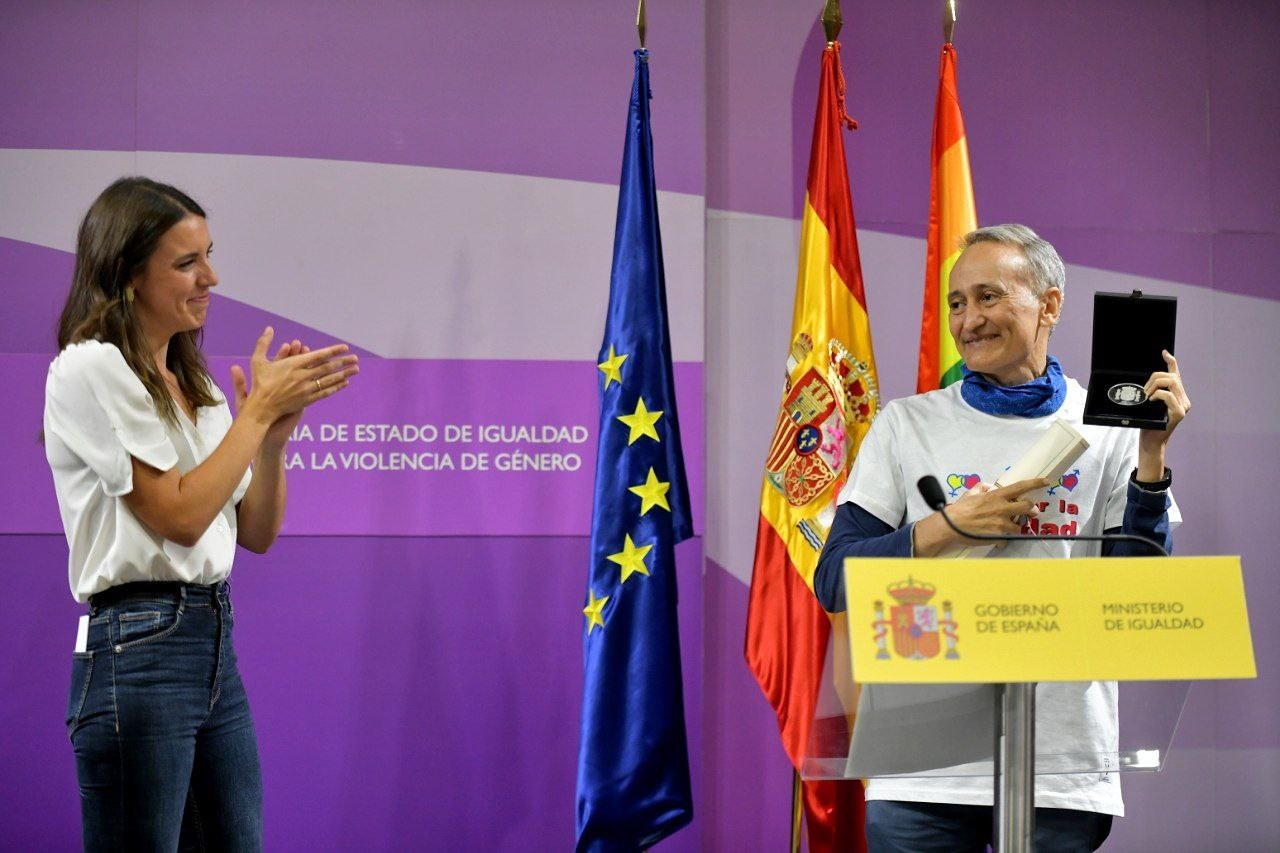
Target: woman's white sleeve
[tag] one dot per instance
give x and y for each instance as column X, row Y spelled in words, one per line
column 222, row 413
column 100, row 409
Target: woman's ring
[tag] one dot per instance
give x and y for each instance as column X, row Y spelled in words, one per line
column 319, row 387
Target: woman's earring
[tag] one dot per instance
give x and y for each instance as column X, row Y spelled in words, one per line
column 128, row 293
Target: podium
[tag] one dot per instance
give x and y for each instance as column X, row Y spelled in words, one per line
column 936, row 668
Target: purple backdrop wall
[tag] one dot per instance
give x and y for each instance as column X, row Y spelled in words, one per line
column 423, row 691
column 409, row 693
column 416, row 690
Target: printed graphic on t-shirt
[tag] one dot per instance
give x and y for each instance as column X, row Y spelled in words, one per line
column 962, row 482
column 1067, row 481
column 1058, row 516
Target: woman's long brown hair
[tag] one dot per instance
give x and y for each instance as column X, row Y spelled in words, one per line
column 116, row 238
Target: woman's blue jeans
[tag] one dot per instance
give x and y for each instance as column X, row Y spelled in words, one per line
column 157, row 714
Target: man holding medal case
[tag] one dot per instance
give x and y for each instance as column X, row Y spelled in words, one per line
column 1006, row 296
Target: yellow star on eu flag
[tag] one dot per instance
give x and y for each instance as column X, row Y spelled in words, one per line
column 631, row 558
column 641, row 422
column 652, row 492
column 594, row 611
column 612, row 367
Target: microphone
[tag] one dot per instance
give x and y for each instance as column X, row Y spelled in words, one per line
column 931, row 491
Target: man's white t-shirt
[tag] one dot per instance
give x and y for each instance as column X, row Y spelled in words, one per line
column 97, row 416
column 939, row 434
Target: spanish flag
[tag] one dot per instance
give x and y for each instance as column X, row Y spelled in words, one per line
column 828, row 400
column 951, row 216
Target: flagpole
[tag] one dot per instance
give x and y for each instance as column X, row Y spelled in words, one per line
column 787, row 630
column 1013, row 773
column 640, row 23
column 634, row 787
column 832, row 22
column 797, row 811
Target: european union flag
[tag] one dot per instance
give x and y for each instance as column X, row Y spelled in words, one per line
column 633, row 763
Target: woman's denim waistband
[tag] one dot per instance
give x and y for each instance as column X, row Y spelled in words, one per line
column 193, row 594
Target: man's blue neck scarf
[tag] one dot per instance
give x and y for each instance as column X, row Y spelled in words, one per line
column 1035, row 399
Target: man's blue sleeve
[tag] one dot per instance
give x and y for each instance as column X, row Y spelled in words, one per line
column 857, row 533
column 1145, row 514
column 854, row 533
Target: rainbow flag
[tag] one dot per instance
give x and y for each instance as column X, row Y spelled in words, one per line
column 952, row 215
column 830, row 396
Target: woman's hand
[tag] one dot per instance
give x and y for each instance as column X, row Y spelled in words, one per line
column 279, row 432
column 294, row 379
column 1167, row 387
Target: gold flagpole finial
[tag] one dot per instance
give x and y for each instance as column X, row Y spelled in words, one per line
column 831, row 20
column 948, row 20
column 640, row 26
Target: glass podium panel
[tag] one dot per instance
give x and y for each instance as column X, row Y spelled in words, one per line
column 861, row 731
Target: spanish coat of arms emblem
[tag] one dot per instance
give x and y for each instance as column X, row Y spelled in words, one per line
column 810, row 441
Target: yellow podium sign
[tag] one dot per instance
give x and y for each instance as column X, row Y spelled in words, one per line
column 1089, row 619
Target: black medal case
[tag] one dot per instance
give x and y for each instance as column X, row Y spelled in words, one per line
column 1129, row 331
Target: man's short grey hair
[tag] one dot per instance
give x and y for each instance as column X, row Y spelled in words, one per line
column 1047, row 269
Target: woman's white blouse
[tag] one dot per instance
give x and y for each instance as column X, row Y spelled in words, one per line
column 98, row 414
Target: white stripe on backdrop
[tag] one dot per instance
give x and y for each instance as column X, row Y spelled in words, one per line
column 404, row 261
